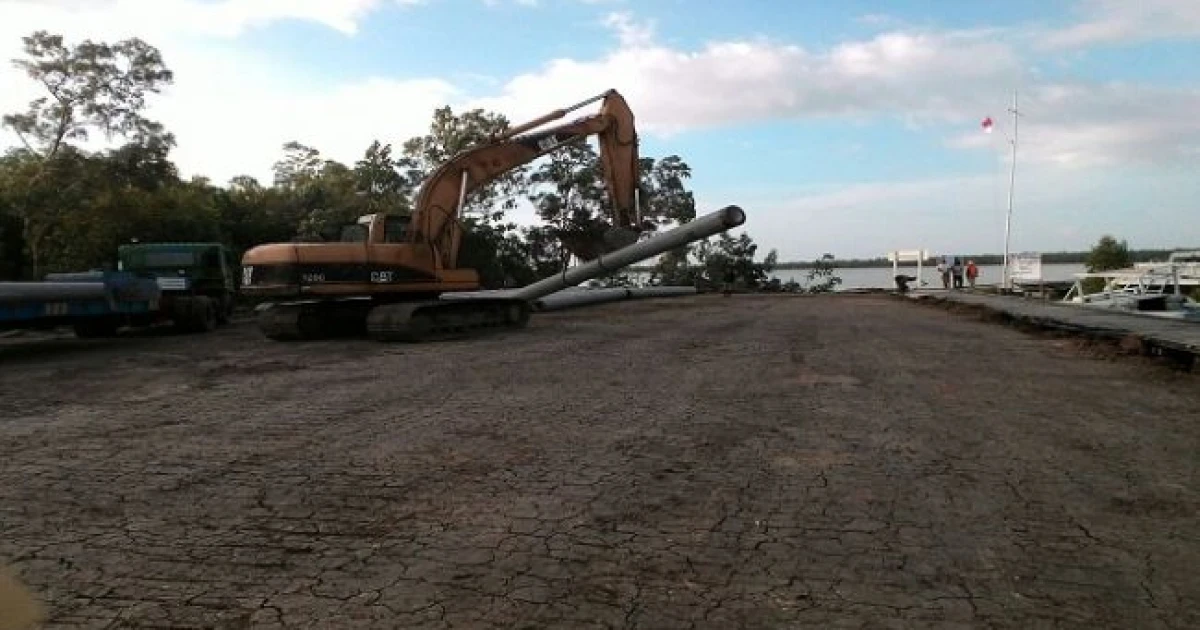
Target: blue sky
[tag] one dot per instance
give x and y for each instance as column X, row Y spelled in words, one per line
column 850, row 128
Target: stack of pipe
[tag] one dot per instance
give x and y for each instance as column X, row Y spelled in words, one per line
column 560, row 290
column 19, row 292
column 66, row 287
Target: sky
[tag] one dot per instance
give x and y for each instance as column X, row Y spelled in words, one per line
column 851, row 128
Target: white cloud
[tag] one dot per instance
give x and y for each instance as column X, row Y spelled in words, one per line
column 223, row 18
column 916, row 77
column 230, row 109
column 1123, row 21
column 1054, row 210
column 1086, row 125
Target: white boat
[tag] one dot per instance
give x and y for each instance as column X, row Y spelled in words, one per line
column 1154, row 288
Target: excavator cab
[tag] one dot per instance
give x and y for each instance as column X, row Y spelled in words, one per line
column 394, row 226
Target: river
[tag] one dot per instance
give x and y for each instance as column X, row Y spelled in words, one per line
column 881, row 277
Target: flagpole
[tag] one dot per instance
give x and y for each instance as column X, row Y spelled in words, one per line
column 1012, row 180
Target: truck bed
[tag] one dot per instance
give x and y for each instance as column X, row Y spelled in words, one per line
column 65, row 299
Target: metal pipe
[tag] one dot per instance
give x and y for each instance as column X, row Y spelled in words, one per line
column 700, row 228
column 15, row 292
column 669, row 291
column 579, row 297
column 582, row 297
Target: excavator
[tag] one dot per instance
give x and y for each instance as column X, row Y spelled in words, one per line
column 386, row 271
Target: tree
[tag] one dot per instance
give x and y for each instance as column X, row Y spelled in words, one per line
column 821, row 278
column 91, row 86
column 321, row 193
column 570, row 194
column 379, row 182
column 720, row 261
column 1108, row 254
column 674, row 268
column 450, row 134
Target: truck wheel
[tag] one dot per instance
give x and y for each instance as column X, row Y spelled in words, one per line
column 224, row 310
column 181, row 314
column 204, row 314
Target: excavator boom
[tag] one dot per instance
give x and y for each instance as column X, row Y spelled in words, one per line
column 439, row 203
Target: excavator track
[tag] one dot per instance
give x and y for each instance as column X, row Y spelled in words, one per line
column 312, row 320
column 441, row 320
column 290, row 322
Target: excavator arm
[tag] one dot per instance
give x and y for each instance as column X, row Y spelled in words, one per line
column 439, row 203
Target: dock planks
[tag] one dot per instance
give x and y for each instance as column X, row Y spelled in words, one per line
column 1179, row 336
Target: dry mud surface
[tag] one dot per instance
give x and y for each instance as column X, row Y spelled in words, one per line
column 707, row 462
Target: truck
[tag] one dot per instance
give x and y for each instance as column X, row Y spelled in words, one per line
column 198, row 281
column 191, row 285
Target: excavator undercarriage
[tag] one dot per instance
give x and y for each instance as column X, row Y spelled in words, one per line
column 410, row 321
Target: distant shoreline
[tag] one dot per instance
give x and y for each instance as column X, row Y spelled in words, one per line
column 1048, row 258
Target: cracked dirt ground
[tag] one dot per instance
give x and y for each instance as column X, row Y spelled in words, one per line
column 700, row 462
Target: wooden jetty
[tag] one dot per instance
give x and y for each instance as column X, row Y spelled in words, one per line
column 1178, row 339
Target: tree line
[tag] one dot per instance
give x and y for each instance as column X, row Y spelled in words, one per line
column 64, row 208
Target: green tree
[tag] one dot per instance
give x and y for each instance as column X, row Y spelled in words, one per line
column 1108, row 254
column 674, row 268
column 450, row 134
column 821, row 277
column 720, row 261
column 322, row 193
column 380, row 183
column 569, row 191
column 249, row 213
column 92, row 86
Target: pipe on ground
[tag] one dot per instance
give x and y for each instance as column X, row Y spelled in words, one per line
column 584, row 297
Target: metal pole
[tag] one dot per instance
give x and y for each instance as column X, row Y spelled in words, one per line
column 1012, row 180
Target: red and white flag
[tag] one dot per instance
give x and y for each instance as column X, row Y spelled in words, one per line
column 987, row 125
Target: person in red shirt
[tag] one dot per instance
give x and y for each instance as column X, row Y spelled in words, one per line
column 972, row 273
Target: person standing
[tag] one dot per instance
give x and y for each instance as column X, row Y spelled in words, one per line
column 943, row 269
column 957, row 271
column 972, row 273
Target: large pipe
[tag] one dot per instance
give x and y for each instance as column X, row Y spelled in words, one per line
column 583, row 297
column 701, row 228
column 87, row 285
column 16, row 292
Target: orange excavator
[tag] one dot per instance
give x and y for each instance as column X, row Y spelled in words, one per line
column 387, row 271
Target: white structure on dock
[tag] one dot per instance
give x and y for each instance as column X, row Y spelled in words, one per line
column 909, row 255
